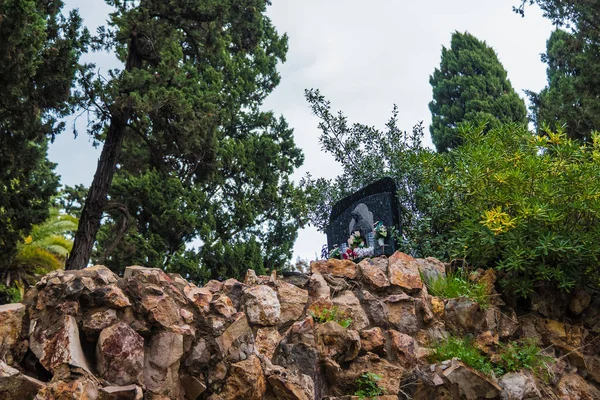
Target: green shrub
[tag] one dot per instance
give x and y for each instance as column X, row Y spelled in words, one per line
column 457, row 284
column 516, row 356
column 326, row 314
column 464, row 350
column 527, row 205
column 10, row 294
column 367, row 386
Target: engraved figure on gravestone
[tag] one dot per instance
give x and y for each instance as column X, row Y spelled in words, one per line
column 362, row 221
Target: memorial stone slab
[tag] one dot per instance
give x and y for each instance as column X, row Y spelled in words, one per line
column 360, row 210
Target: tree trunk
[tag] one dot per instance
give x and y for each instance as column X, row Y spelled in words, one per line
column 96, row 200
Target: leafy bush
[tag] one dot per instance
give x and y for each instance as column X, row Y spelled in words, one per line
column 515, row 356
column 367, row 386
column 10, row 294
column 457, row 284
column 464, row 350
column 528, row 206
column 367, row 154
column 326, row 314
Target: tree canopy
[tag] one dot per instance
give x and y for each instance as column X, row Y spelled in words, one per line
column 470, row 85
column 191, row 153
column 39, row 51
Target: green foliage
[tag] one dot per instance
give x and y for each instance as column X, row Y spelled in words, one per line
column 325, row 314
column 513, row 356
column 464, row 349
column 39, row 53
column 367, row 154
column 10, row 294
column 516, row 356
column 367, row 386
column 570, row 98
column 470, row 85
column 200, row 160
column 528, row 206
column 457, row 284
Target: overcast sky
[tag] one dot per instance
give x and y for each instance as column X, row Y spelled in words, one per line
column 364, row 57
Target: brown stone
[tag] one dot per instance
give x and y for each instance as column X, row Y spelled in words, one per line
column 11, row 322
column 580, row 300
column 335, row 267
column 403, row 347
column 464, row 316
column 318, row 288
column 192, row 386
column 245, row 381
column 200, row 297
column 349, row 305
column 161, row 364
column 574, row 387
column 336, row 342
column 120, row 355
column 237, row 341
column 293, row 301
column 266, row 341
column 372, row 340
column 57, row 342
column 403, row 313
column 261, row 305
column 15, row 385
column 472, row 385
column 80, row 389
column 162, row 310
column 129, row 392
column 374, row 272
column 404, row 271
column 99, row 318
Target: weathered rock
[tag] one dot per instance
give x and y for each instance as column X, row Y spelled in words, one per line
column 237, row 341
column 266, row 341
column 318, row 288
column 431, row 268
column 200, row 297
column 15, row 385
column 223, row 305
column 199, row 357
column 464, row 315
column 507, row 323
column 97, row 319
column 343, row 381
column 234, row 289
column 192, row 386
column 404, row 271
column 11, row 322
column 56, row 342
column 120, row 355
column 438, row 307
column 518, row 386
column 335, row 267
column 372, row 340
column 162, row 310
column 245, row 381
column 298, row 279
column 580, row 300
column 403, row 347
column 261, row 305
column 574, row 387
column 376, row 310
column 292, row 300
column 161, row 364
column 472, row 385
column 403, row 313
column 105, row 296
column 129, row 392
column 80, row 389
column 336, row 342
column 374, row 272
column 592, row 364
column 349, row 305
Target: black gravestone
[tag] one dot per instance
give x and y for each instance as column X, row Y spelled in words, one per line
column 360, row 210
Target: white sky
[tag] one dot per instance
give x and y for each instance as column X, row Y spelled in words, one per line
column 364, row 57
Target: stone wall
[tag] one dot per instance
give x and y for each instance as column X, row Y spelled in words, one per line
column 90, row 334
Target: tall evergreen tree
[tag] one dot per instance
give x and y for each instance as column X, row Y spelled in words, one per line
column 39, row 52
column 570, row 97
column 190, row 151
column 470, row 85
column 573, row 57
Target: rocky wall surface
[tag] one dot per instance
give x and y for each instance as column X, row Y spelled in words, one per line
column 91, row 334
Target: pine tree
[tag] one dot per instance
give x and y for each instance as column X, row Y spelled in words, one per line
column 470, row 85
